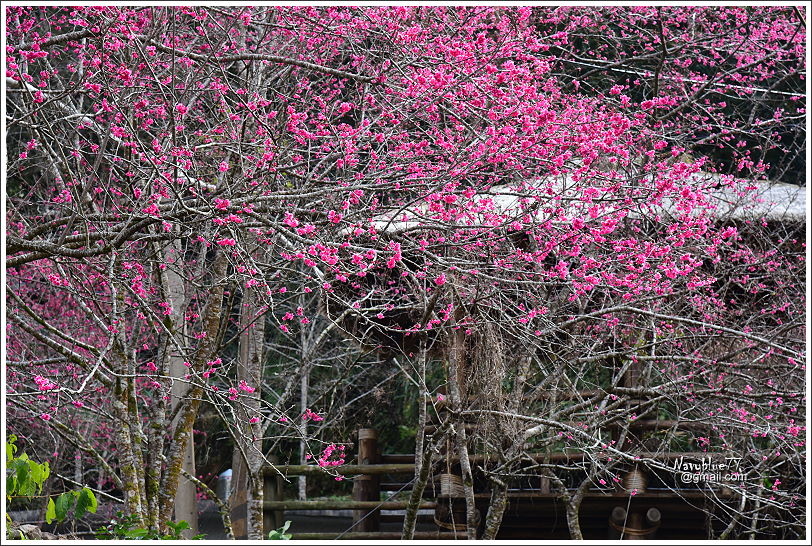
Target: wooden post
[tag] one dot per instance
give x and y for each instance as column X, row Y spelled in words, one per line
column 367, row 487
column 238, row 497
column 272, row 491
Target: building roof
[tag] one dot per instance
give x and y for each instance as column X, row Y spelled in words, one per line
column 774, row 201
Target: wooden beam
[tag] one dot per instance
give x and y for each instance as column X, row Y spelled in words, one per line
column 420, row 535
column 408, row 468
column 339, row 505
column 649, row 494
column 346, row 469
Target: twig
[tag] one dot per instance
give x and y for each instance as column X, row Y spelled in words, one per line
column 96, row 491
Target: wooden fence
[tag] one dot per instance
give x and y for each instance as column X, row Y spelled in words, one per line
column 536, row 512
column 366, row 502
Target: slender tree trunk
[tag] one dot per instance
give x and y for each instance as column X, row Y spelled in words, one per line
column 573, row 523
column 422, row 461
column 499, row 502
column 303, row 393
column 573, row 505
column 734, row 521
column 496, row 509
column 410, row 519
column 456, row 364
column 138, row 441
column 132, row 477
column 128, row 468
column 422, row 411
column 422, row 478
column 248, row 434
column 174, row 293
column 182, row 436
column 238, row 497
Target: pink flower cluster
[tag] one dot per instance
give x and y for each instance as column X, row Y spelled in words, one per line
column 44, row 383
column 331, row 450
column 311, row 416
column 246, row 387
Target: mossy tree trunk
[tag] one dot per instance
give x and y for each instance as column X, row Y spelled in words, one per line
column 189, row 406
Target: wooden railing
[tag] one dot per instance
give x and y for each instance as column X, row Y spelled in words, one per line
column 366, row 500
column 399, row 469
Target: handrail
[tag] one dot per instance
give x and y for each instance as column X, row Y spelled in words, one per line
column 345, row 469
column 340, row 505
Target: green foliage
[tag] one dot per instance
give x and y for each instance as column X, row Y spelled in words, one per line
column 124, row 528
column 407, row 433
column 25, row 478
column 84, row 500
column 281, row 534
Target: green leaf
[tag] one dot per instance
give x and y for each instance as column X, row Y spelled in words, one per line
column 39, row 473
column 136, row 533
column 46, row 471
column 11, row 449
column 23, row 472
column 86, row 502
column 63, row 504
column 50, row 512
column 279, row 534
column 35, row 472
column 11, row 485
column 179, row 526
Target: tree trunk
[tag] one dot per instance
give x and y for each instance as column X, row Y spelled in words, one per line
column 422, row 461
column 248, row 457
column 238, row 498
column 456, row 364
column 304, row 389
column 499, row 502
column 496, row 510
column 422, row 478
column 191, row 403
column 174, row 293
column 129, row 470
column 573, row 504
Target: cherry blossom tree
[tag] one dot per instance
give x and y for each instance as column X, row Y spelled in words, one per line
column 535, row 197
